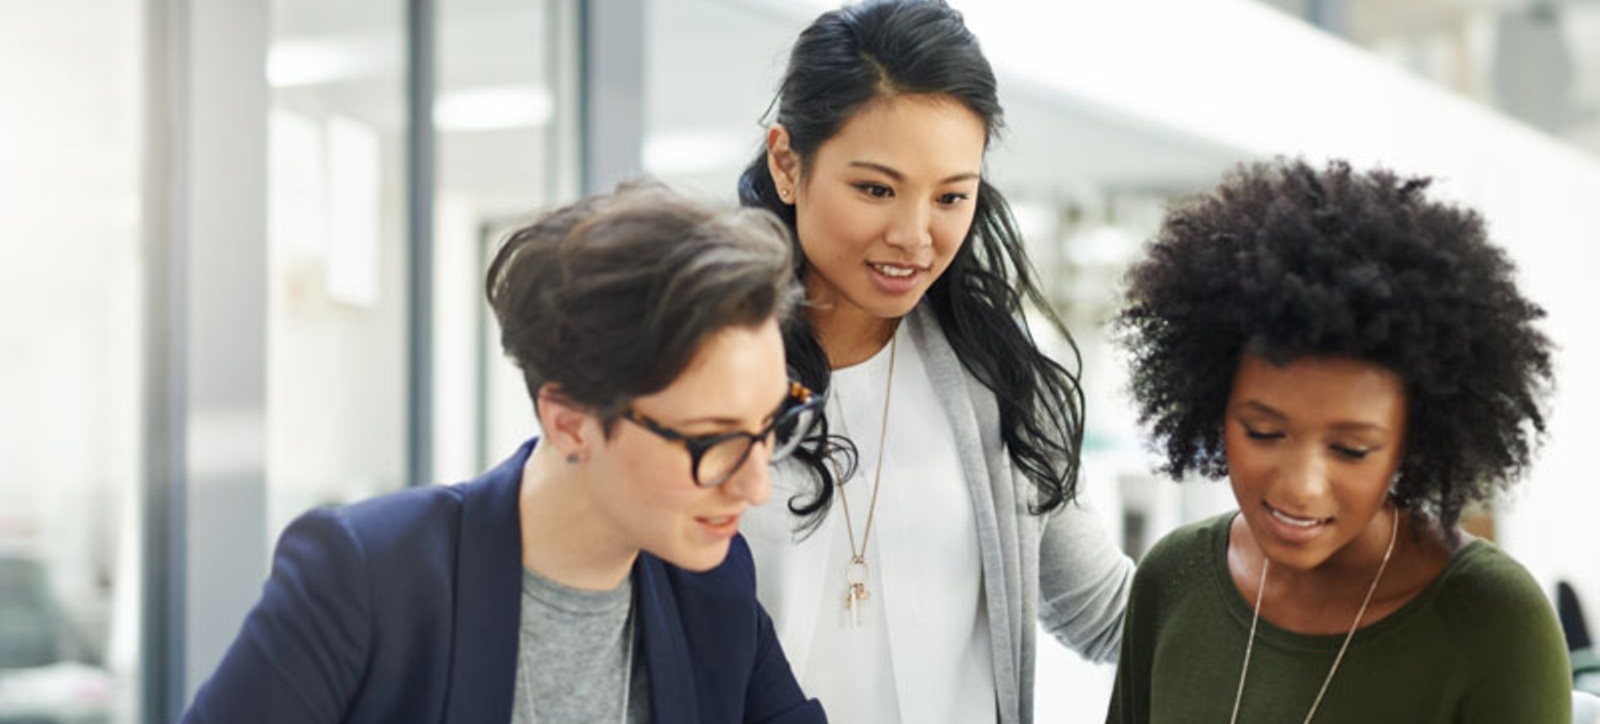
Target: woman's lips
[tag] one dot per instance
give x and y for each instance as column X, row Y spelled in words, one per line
column 719, row 526
column 896, row 278
column 1293, row 528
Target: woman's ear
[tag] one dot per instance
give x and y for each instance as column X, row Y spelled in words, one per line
column 565, row 424
column 782, row 162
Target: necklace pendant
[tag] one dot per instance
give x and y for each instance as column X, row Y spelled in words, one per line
column 853, row 601
column 856, row 593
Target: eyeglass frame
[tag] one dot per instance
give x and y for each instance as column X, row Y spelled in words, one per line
column 799, row 399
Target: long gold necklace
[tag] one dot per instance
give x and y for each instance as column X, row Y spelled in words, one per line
column 856, row 571
column 1255, row 617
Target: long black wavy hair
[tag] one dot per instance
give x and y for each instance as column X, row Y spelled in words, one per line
column 1284, row 260
column 847, row 59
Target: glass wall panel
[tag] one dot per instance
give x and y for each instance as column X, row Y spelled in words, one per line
column 711, row 68
column 505, row 112
column 70, row 295
column 336, row 330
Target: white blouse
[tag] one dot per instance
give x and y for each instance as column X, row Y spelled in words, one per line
column 922, row 650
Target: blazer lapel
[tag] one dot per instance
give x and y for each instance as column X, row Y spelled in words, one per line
column 488, row 595
column 673, row 696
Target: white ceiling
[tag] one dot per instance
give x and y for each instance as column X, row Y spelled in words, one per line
column 712, row 66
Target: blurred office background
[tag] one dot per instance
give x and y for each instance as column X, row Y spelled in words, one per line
column 241, row 244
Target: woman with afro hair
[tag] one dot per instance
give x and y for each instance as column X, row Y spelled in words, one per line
column 1357, row 360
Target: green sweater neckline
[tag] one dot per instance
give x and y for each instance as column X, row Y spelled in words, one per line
column 1241, row 610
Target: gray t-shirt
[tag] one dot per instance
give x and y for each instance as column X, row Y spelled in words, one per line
column 574, row 656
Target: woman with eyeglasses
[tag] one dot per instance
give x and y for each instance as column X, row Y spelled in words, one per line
column 597, row 575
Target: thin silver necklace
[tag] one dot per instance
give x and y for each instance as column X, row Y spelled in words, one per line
column 1255, row 617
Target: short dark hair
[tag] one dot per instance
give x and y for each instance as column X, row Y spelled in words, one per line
column 610, row 297
column 1283, row 261
column 873, row 50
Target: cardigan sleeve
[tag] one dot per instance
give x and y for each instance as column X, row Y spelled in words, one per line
column 1084, row 582
column 299, row 655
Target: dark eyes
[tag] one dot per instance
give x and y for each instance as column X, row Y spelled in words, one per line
column 877, row 191
column 880, row 191
column 1344, row 451
column 1349, row 453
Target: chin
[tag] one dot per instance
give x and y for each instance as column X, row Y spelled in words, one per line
column 699, row 559
column 896, row 309
column 1299, row 558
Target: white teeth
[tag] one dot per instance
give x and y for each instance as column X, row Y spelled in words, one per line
column 894, row 271
column 1297, row 522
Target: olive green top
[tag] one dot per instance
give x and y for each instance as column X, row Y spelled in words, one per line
column 1480, row 644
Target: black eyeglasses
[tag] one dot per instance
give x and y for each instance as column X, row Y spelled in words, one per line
column 715, row 458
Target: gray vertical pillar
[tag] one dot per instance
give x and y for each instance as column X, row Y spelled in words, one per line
column 612, row 88
column 420, row 55
column 162, row 388
column 206, row 286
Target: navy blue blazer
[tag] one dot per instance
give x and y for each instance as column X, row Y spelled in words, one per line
column 407, row 607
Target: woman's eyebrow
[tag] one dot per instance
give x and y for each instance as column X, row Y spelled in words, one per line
column 897, row 176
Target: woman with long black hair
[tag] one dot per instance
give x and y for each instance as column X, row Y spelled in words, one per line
column 932, row 518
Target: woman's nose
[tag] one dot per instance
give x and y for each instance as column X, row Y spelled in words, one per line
column 752, row 482
column 912, row 227
column 1303, row 479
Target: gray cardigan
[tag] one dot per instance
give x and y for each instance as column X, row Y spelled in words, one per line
column 1061, row 568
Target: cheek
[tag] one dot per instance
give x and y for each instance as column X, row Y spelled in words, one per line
column 1233, row 450
column 1247, row 465
column 655, row 485
column 1372, row 485
column 830, row 227
column 949, row 235
column 816, row 242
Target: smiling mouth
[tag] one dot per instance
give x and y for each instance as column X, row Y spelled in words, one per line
column 719, row 520
column 1290, row 520
column 893, row 270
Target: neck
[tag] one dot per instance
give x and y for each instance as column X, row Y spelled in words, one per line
column 566, row 537
column 850, row 336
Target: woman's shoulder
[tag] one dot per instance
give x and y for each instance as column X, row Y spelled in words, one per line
column 425, row 501
column 422, row 530
column 1495, row 611
column 1482, row 583
column 1187, row 555
column 1503, row 636
column 1190, row 542
column 437, row 510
